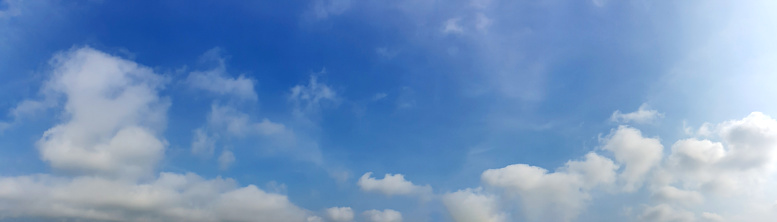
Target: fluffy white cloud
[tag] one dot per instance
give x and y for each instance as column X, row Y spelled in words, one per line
column 637, row 153
column 217, row 80
column 392, row 185
column 557, row 196
column 387, row 215
column 752, row 142
column 643, row 115
column 472, row 205
column 109, row 140
column 339, row 214
column 113, row 115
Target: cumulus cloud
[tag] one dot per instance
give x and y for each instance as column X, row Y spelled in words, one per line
column 557, row 196
column 637, row 153
column 391, row 184
column 643, row 115
column 387, row 215
column 699, row 180
column 339, row 214
column 113, row 115
column 218, row 81
column 109, row 140
column 471, row 205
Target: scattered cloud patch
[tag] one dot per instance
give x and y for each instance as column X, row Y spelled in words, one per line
column 323, row 9
column 309, row 99
column 240, row 124
column 557, row 196
column 340, row 214
column 451, row 26
column 665, row 213
column 379, row 96
column 218, row 81
column 226, row 159
column 643, row 115
column 637, row 153
column 109, row 142
column 202, row 144
column 387, row 215
column 391, row 184
column 473, row 205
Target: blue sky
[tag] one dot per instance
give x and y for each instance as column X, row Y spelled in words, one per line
column 345, row 110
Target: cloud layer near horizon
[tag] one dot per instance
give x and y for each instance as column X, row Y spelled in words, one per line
column 104, row 156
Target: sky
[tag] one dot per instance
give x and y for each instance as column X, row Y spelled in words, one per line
column 388, row 111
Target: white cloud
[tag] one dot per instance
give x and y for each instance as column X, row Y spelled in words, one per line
column 217, row 80
column 339, row 214
column 665, row 213
column 226, row 159
column 239, row 124
column 643, row 115
column 471, row 205
column 452, row 26
column 637, row 153
column 310, row 98
column 170, row 197
column 670, row 194
column 274, row 137
column 392, row 185
column 752, row 141
column 113, row 116
column 109, row 140
column 30, row 107
column 387, row 215
column 557, row 196
column 711, row 217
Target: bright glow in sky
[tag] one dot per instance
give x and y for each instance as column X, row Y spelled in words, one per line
column 387, row 111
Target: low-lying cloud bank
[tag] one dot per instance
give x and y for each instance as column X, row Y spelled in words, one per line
column 722, row 175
